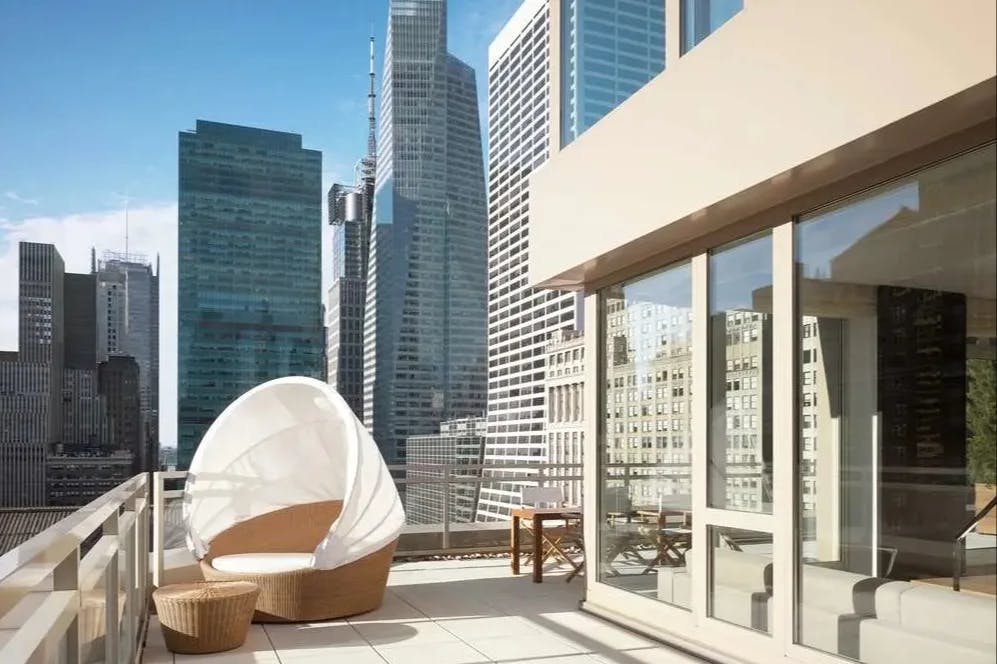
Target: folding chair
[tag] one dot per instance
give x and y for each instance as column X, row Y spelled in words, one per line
column 554, row 539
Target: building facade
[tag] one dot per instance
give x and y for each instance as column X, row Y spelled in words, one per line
column 53, row 403
column 249, row 272
column 83, row 415
column 608, row 51
column 459, row 443
column 790, row 333
column 424, row 327
column 563, row 389
column 31, row 398
column 25, row 398
column 120, row 383
column 351, row 211
column 76, row 479
column 128, row 325
column 603, row 54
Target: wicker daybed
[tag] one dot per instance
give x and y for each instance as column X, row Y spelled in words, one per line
column 289, row 491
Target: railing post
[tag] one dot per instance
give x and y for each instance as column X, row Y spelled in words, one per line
column 446, row 506
column 958, row 562
column 128, row 539
column 66, row 576
column 140, row 580
column 111, row 576
column 158, row 514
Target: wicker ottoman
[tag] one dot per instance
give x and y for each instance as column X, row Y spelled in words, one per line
column 205, row 617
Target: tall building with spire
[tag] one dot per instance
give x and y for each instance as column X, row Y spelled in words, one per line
column 350, row 214
column 128, row 325
column 425, row 314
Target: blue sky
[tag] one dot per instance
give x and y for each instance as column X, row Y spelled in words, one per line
column 92, row 95
column 95, row 92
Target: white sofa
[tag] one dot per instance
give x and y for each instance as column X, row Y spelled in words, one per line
column 742, row 587
column 920, row 623
column 873, row 620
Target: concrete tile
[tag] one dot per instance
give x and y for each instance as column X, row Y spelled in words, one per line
column 471, row 628
column 419, row 633
column 339, row 654
column 511, row 648
column 437, row 653
column 313, row 637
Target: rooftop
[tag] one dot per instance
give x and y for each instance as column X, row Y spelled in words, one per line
column 448, row 612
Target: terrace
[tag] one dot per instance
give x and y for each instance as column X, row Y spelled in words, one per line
column 58, row 590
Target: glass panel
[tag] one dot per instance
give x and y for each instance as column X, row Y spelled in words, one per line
column 646, row 457
column 898, row 342
column 741, row 577
column 609, row 50
column 700, row 18
column 740, row 431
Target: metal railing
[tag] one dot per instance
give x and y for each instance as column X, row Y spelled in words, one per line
column 418, row 539
column 959, row 546
column 78, row 591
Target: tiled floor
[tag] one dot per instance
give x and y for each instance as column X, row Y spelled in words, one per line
column 454, row 612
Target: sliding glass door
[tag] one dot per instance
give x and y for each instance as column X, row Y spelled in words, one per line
column 796, row 435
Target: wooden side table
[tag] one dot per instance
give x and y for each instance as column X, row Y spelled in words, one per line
column 205, row 617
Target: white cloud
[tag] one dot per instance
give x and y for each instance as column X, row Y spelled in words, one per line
column 152, row 230
column 17, row 198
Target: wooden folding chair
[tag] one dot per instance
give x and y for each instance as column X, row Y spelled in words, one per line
column 556, row 539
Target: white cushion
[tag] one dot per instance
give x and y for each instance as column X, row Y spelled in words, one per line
column 883, row 642
column 950, row 615
column 262, row 563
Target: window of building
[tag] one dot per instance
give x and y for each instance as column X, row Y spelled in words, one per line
column 905, row 275
column 660, row 480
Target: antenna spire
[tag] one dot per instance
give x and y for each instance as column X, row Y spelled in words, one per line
column 371, row 128
column 126, row 227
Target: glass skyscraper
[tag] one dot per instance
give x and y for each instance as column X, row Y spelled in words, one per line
column 701, row 17
column 250, row 216
column 609, row 50
column 424, row 328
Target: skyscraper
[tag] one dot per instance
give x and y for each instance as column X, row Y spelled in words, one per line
column 459, row 443
column 250, row 303
column 604, row 52
column 424, row 327
column 351, row 209
column 31, row 379
column 520, row 320
column 128, row 325
column 52, row 408
column 609, row 50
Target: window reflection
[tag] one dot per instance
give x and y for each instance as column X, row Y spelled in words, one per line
column 897, row 411
column 647, row 440
column 741, row 583
column 740, row 431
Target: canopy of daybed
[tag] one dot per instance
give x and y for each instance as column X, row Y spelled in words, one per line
column 288, row 442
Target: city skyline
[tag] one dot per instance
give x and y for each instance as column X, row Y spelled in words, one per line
column 72, row 423
column 58, row 200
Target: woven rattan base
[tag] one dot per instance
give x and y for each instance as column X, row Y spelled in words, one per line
column 206, row 617
column 317, row 594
